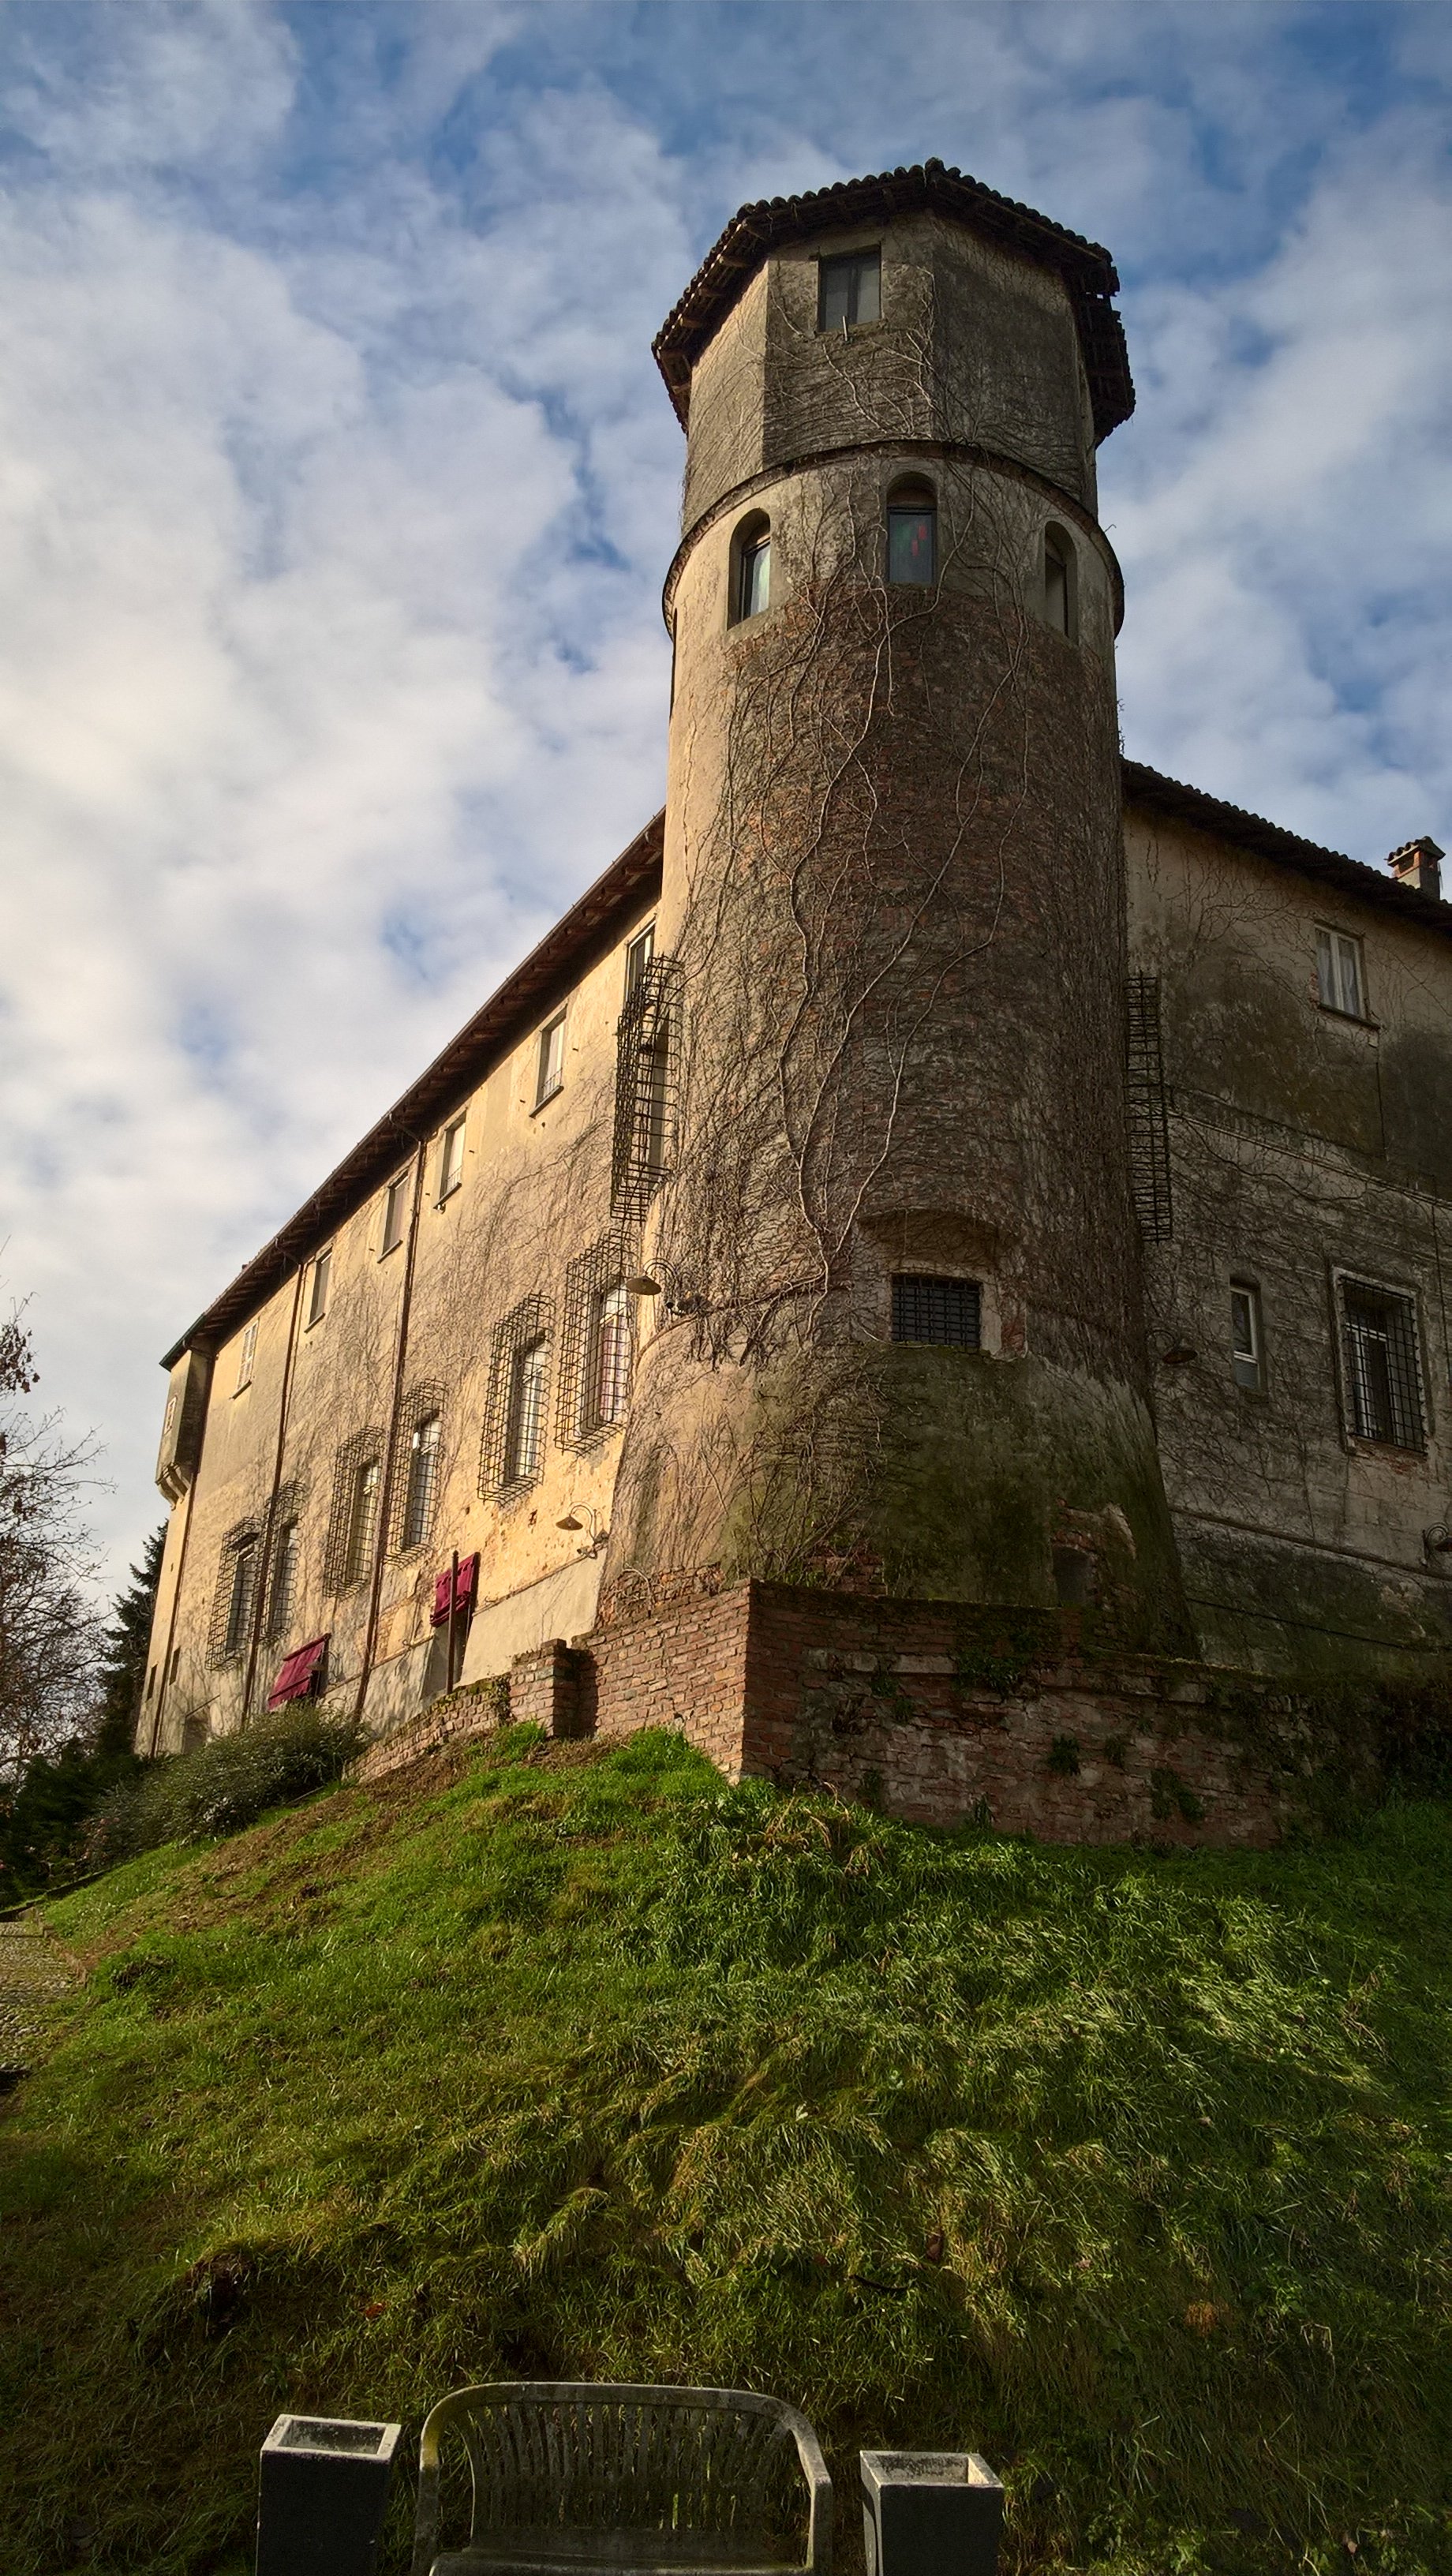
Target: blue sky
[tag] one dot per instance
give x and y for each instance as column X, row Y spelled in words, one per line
column 337, row 487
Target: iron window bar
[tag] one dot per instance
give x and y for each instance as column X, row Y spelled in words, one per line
column 946, row 1311
column 647, row 1075
column 1149, row 1122
column 526, row 1327
column 1383, row 1366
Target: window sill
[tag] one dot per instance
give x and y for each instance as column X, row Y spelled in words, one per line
column 451, row 1192
column 1389, row 1451
column 390, row 1248
column 545, row 1098
column 1348, row 1019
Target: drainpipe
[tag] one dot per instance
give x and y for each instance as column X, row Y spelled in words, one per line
column 385, row 1497
column 264, row 1567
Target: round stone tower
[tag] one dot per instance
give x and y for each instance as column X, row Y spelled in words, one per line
column 884, row 1190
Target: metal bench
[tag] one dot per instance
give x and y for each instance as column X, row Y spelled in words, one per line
column 573, row 2476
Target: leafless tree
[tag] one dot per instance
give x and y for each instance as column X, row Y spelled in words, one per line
column 50, row 1630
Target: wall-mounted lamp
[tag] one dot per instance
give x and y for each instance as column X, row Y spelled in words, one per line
column 667, row 1286
column 598, row 1536
column 1178, row 1355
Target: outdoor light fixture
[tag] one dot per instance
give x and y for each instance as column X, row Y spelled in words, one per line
column 1178, row 1354
column 643, row 1285
column 597, row 1537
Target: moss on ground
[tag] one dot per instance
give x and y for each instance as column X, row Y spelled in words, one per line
column 1130, row 2170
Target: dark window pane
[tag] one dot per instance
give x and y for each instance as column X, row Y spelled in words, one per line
column 849, row 290
column 1382, row 1374
column 911, row 546
column 936, row 1310
column 755, row 577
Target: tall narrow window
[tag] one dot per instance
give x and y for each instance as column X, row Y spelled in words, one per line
column 936, row 1310
column 525, row 1443
column 451, row 1158
column 423, row 1477
column 318, row 1294
column 243, row 1595
column 1383, row 1365
column 637, row 958
column 395, row 1213
column 247, row 1355
column 1245, row 1358
column 751, row 568
column 610, row 1370
column 362, row 1521
column 912, row 534
column 1060, row 583
column 551, row 1070
column 849, row 290
column 283, row 1587
column 1340, row 981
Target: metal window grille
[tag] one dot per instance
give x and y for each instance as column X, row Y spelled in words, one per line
column 597, row 1348
column 236, row 1593
column 417, row 1467
column 936, row 1310
column 353, row 1515
column 282, row 1579
column 1149, row 1122
column 1383, row 1365
column 514, row 1413
column 647, row 1060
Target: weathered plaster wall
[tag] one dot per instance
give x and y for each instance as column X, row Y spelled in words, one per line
column 1303, row 1144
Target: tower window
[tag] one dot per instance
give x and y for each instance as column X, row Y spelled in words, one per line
column 1245, row 1351
column 750, row 568
column 526, row 1413
column 1340, row 976
column 1061, row 602
column 1383, row 1366
column 912, row 534
column 936, row 1310
column 849, row 290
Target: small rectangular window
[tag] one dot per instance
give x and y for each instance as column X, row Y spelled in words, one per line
column 451, row 1159
column 151, row 1681
column 395, row 1213
column 247, row 1355
column 849, row 290
column 936, row 1310
column 175, row 1666
column 637, row 958
column 1383, row 1366
column 1245, row 1359
column 318, row 1297
column 1340, row 976
column 551, row 1073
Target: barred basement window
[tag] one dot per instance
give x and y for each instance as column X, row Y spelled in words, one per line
column 514, row 1418
column 597, row 1338
column 936, row 1310
column 422, row 1480
column 646, row 1059
column 1383, row 1366
column 235, row 1597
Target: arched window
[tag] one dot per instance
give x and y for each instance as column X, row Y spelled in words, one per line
column 610, row 1372
column 751, row 568
column 912, row 533
column 1061, row 601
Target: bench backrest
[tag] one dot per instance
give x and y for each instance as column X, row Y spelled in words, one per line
column 571, row 2456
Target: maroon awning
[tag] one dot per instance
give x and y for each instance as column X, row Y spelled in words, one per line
column 296, row 1678
column 463, row 1590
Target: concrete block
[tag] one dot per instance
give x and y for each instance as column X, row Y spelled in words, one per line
column 930, row 2513
column 323, row 2484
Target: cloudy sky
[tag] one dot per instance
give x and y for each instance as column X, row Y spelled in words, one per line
column 337, row 487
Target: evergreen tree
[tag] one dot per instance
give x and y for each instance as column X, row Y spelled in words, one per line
column 123, row 1651
column 44, row 1813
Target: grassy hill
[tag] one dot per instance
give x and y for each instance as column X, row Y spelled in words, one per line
column 1130, row 2170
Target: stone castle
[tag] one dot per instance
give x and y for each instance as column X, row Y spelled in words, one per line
column 930, row 1277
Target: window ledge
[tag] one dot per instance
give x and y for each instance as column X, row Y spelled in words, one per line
column 1348, row 1019
column 547, row 1098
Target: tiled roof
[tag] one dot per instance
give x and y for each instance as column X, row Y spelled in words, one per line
column 930, row 187
column 560, row 957
column 1147, row 789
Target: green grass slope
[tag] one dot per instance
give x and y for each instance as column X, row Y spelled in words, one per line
column 1130, row 2170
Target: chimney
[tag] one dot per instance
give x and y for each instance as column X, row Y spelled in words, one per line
column 1419, row 863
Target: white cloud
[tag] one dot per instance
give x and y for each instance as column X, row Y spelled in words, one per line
column 336, row 489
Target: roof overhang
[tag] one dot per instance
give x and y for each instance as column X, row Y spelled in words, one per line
column 1150, row 792
column 1087, row 270
column 562, row 954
